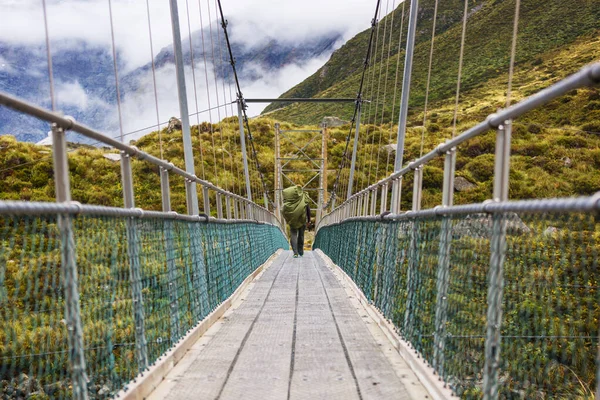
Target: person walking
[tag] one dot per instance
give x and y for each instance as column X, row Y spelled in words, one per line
column 296, row 212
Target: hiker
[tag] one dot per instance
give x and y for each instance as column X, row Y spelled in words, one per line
column 296, row 211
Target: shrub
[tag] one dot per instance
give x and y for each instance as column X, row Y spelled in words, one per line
column 482, row 167
column 591, row 127
column 577, row 142
column 534, row 128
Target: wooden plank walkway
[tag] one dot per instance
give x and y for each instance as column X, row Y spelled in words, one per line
column 295, row 334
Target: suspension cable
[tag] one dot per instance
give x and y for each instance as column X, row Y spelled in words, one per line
column 232, row 165
column 357, row 105
column 460, row 65
column 49, row 55
column 160, row 143
column 378, row 148
column 212, row 46
column 387, row 163
column 435, row 10
column 212, row 136
column 372, row 98
column 513, row 52
column 243, row 103
column 387, row 70
column 116, row 71
column 187, row 9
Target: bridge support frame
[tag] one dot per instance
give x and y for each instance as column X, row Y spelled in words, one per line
column 69, row 267
column 192, row 194
column 354, row 151
column 240, row 106
column 315, row 166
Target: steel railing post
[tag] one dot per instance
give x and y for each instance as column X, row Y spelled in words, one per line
column 170, row 254
column 68, row 255
column 396, row 195
column 496, row 271
column 417, row 189
column 374, row 201
column 219, row 206
column 411, row 279
column 228, row 206
column 135, row 273
column 165, row 190
column 384, row 196
column 236, row 214
column 443, row 270
column 206, row 196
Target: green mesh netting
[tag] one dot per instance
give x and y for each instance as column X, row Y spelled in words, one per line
column 551, row 303
column 186, row 269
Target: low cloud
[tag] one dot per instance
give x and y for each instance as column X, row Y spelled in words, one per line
column 139, row 108
column 252, row 22
column 72, row 94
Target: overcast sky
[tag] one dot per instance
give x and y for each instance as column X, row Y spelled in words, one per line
column 22, row 21
column 72, row 22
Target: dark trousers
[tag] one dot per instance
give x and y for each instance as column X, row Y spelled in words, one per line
column 297, row 240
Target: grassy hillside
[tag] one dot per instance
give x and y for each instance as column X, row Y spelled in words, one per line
column 546, row 162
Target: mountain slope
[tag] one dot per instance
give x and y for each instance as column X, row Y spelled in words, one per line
column 545, row 26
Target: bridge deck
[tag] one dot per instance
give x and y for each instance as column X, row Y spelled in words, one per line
column 295, row 334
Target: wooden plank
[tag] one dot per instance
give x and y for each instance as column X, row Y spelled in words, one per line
column 206, row 375
column 261, row 370
column 297, row 335
column 375, row 375
column 320, row 367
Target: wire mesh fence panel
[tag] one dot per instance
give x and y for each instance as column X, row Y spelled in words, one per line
column 431, row 277
column 182, row 271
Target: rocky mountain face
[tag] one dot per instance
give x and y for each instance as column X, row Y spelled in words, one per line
column 85, row 83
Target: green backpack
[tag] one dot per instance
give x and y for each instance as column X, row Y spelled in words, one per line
column 295, row 201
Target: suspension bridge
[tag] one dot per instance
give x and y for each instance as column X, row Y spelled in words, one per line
column 489, row 300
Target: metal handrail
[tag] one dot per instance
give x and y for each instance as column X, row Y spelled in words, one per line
column 68, row 123
column 587, row 76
